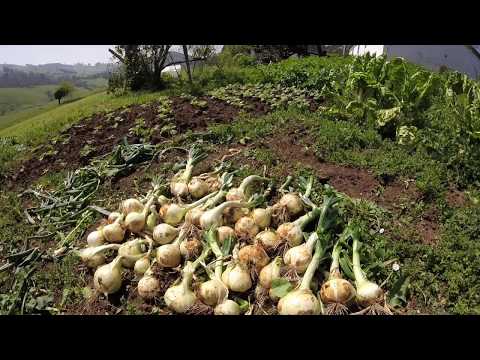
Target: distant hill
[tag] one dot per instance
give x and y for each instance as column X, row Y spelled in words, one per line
column 12, row 75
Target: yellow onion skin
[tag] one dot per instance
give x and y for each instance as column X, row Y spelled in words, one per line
column 141, row 265
column 148, row 287
column 179, row 189
column 298, row 258
column 172, row 214
column 299, row 302
column 228, row 307
column 225, row 232
column 131, row 205
column 113, row 217
column 108, row 278
column 135, row 222
column 114, row 233
column 234, row 194
column 291, row 233
column 270, row 272
column 246, row 228
column 236, row 278
column 262, row 217
column 191, row 248
column 292, row 203
column 369, row 293
column 212, row 292
column 164, row 233
column 268, row 239
column 95, row 238
column 193, row 216
column 253, row 255
column 95, row 261
column 233, row 214
column 198, row 188
column 128, row 250
column 169, row 255
column 179, row 298
column 337, row 291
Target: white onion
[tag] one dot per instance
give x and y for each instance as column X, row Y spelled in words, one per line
column 299, row 257
column 268, row 239
column 95, row 238
column 108, row 278
column 149, row 286
column 114, row 232
column 93, row 257
column 291, row 233
column 131, row 205
column 225, row 232
column 212, row 292
column 299, row 302
column 253, row 255
column 164, row 233
column 270, row 272
column 246, row 228
column 141, row 265
column 198, row 188
column 169, row 255
column 292, row 203
column 213, row 217
column 237, row 278
column 228, row 307
column 131, row 251
column 262, row 217
column 113, row 217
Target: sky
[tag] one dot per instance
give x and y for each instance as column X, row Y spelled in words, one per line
column 65, row 54
column 43, row 54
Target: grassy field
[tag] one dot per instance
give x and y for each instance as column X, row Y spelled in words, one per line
column 401, row 143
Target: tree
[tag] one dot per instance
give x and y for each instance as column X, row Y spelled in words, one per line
column 62, row 91
column 142, row 64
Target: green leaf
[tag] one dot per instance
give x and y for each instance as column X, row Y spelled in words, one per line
column 244, row 305
column 398, row 293
column 281, row 287
column 227, row 246
column 346, row 266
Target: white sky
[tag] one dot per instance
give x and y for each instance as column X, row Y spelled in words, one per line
column 43, row 54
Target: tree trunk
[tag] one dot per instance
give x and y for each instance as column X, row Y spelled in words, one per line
column 185, row 53
column 58, row 101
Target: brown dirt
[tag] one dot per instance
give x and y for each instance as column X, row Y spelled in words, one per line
column 103, row 132
column 456, row 198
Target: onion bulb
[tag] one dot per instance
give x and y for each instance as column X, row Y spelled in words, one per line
column 232, row 214
column 292, row 203
column 148, row 286
column 237, row 278
column 292, row 232
column 270, row 273
column 114, row 232
column 173, row 214
column 225, row 232
column 135, row 221
column 131, row 251
column 212, row 292
column 246, row 228
column 368, row 293
column 302, row 301
column 95, row 238
column 191, row 248
column 213, row 217
column 198, row 188
column 239, row 194
column 299, row 257
column 193, row 216
column 169, row 255
column 336, row 290
column 253, row 255
column 268, row 239
column 113, row 217
column 178, row 185
column 228, row 307
column 131, row 205
column 262, row 217
column 180, row 297
column 164, row 233
column 108, row 278
column 142, row 265
column 152, row 219
column 93, row 257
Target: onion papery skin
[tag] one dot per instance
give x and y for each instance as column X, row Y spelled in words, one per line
column 148, row 287
column 172, row 214
column 292, row 203
column 262, row 217
column 141, row 265
column 212, row 292
column 179, row 189
column 164, row 233
column 237, row 278
column 299, row 302
column 291, row 233
column 253, row 255
column 270, row 272
column 114, row 233
column 246, row 228
column 193, row 216
column 179, row 298
column 169, row 255
column 191, row 248
column 228, row 307
column 198, row 188
column 113, row 217
column 235, row 194
column 298, row 258
column 369, row 293
column 95, row 238
column 233, row 214
column 337, row 291
column 130, row 251
column 108, row 278
column 268, row 239
column 135, row 222
column 131, row 205
column 224, row 232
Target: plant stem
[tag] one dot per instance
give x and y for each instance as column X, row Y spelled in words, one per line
column 305, row 219
column 312, row 267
